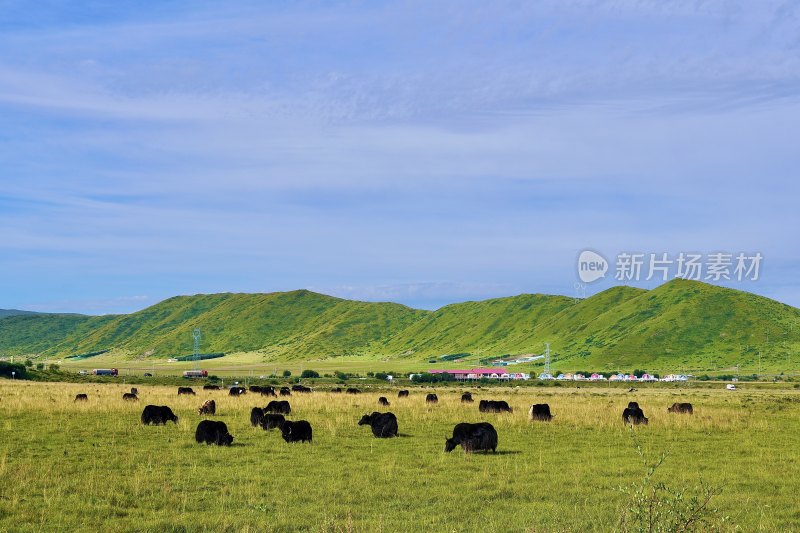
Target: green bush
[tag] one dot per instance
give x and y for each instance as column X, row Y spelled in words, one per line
column 286, row 373
column 309, row 374
column 341, row 376
column 28, row 363
column 39, row 366
column 7, row 368
column 54, row 367
column 381, row 375
column 432, row 378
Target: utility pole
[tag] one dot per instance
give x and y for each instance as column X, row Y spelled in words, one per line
column 196, row 355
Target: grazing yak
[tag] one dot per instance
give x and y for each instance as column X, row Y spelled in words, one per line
column 402, row 394
column 285, row 391
column 353, row 391
column 185, row 390
column 134, row 390
column 255, row 388
column 494, row 406
column 270, row 421
column 681, row 408
column 431, row 398
column 81, row 397
column 633, row 405
column 236, row 391
column 540, row 411
column 336, row 389
column 301, row 388
column 633, row 415
column 299, row 431
column 130, row 397
column 158, row 415
column 268, row 391
column 383, row 401
column 213, row 432
column 256, row 414
column 467, row 397
column 472, row 437
column 209, row 407
column 278, row 407
column 384, row 425
column 210, row 387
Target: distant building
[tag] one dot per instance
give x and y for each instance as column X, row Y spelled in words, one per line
column 482, row 373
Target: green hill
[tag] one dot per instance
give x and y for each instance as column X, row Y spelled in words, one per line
column 679, row 325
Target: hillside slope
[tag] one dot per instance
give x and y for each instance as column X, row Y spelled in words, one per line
column 291, row 324
column 680, row 324
column 684, row 323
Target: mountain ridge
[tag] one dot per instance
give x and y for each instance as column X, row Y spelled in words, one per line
column 685, row 323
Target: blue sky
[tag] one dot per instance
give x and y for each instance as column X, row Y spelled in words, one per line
column 417, row 152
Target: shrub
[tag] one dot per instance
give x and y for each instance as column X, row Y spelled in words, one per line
column 341, row 376
column 28, row 363
column 39, row 366
column 308, row 374
column 286, row 373
column 654, row 506
column 7, row 368
column 432, row 378
column 54, row 367
column 381, row 375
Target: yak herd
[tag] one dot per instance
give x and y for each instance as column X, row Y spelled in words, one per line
column 481, row 436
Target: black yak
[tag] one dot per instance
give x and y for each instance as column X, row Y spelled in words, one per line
column 384, row 425
column 270, row 421
column 299, row 431
column 213, row 432
column 494, row 406
column 540, row 411
column 158, row 414
column 634, row 416
column 256, row 414
column 472, row 437
column 431, row 398
column 81, row 397
column 278, row 407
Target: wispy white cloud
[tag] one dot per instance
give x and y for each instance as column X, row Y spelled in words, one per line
column 243, row 147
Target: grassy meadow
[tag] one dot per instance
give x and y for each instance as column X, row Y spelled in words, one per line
column 94, row 467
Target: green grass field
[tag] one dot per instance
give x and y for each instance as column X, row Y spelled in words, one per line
column 94, row 467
